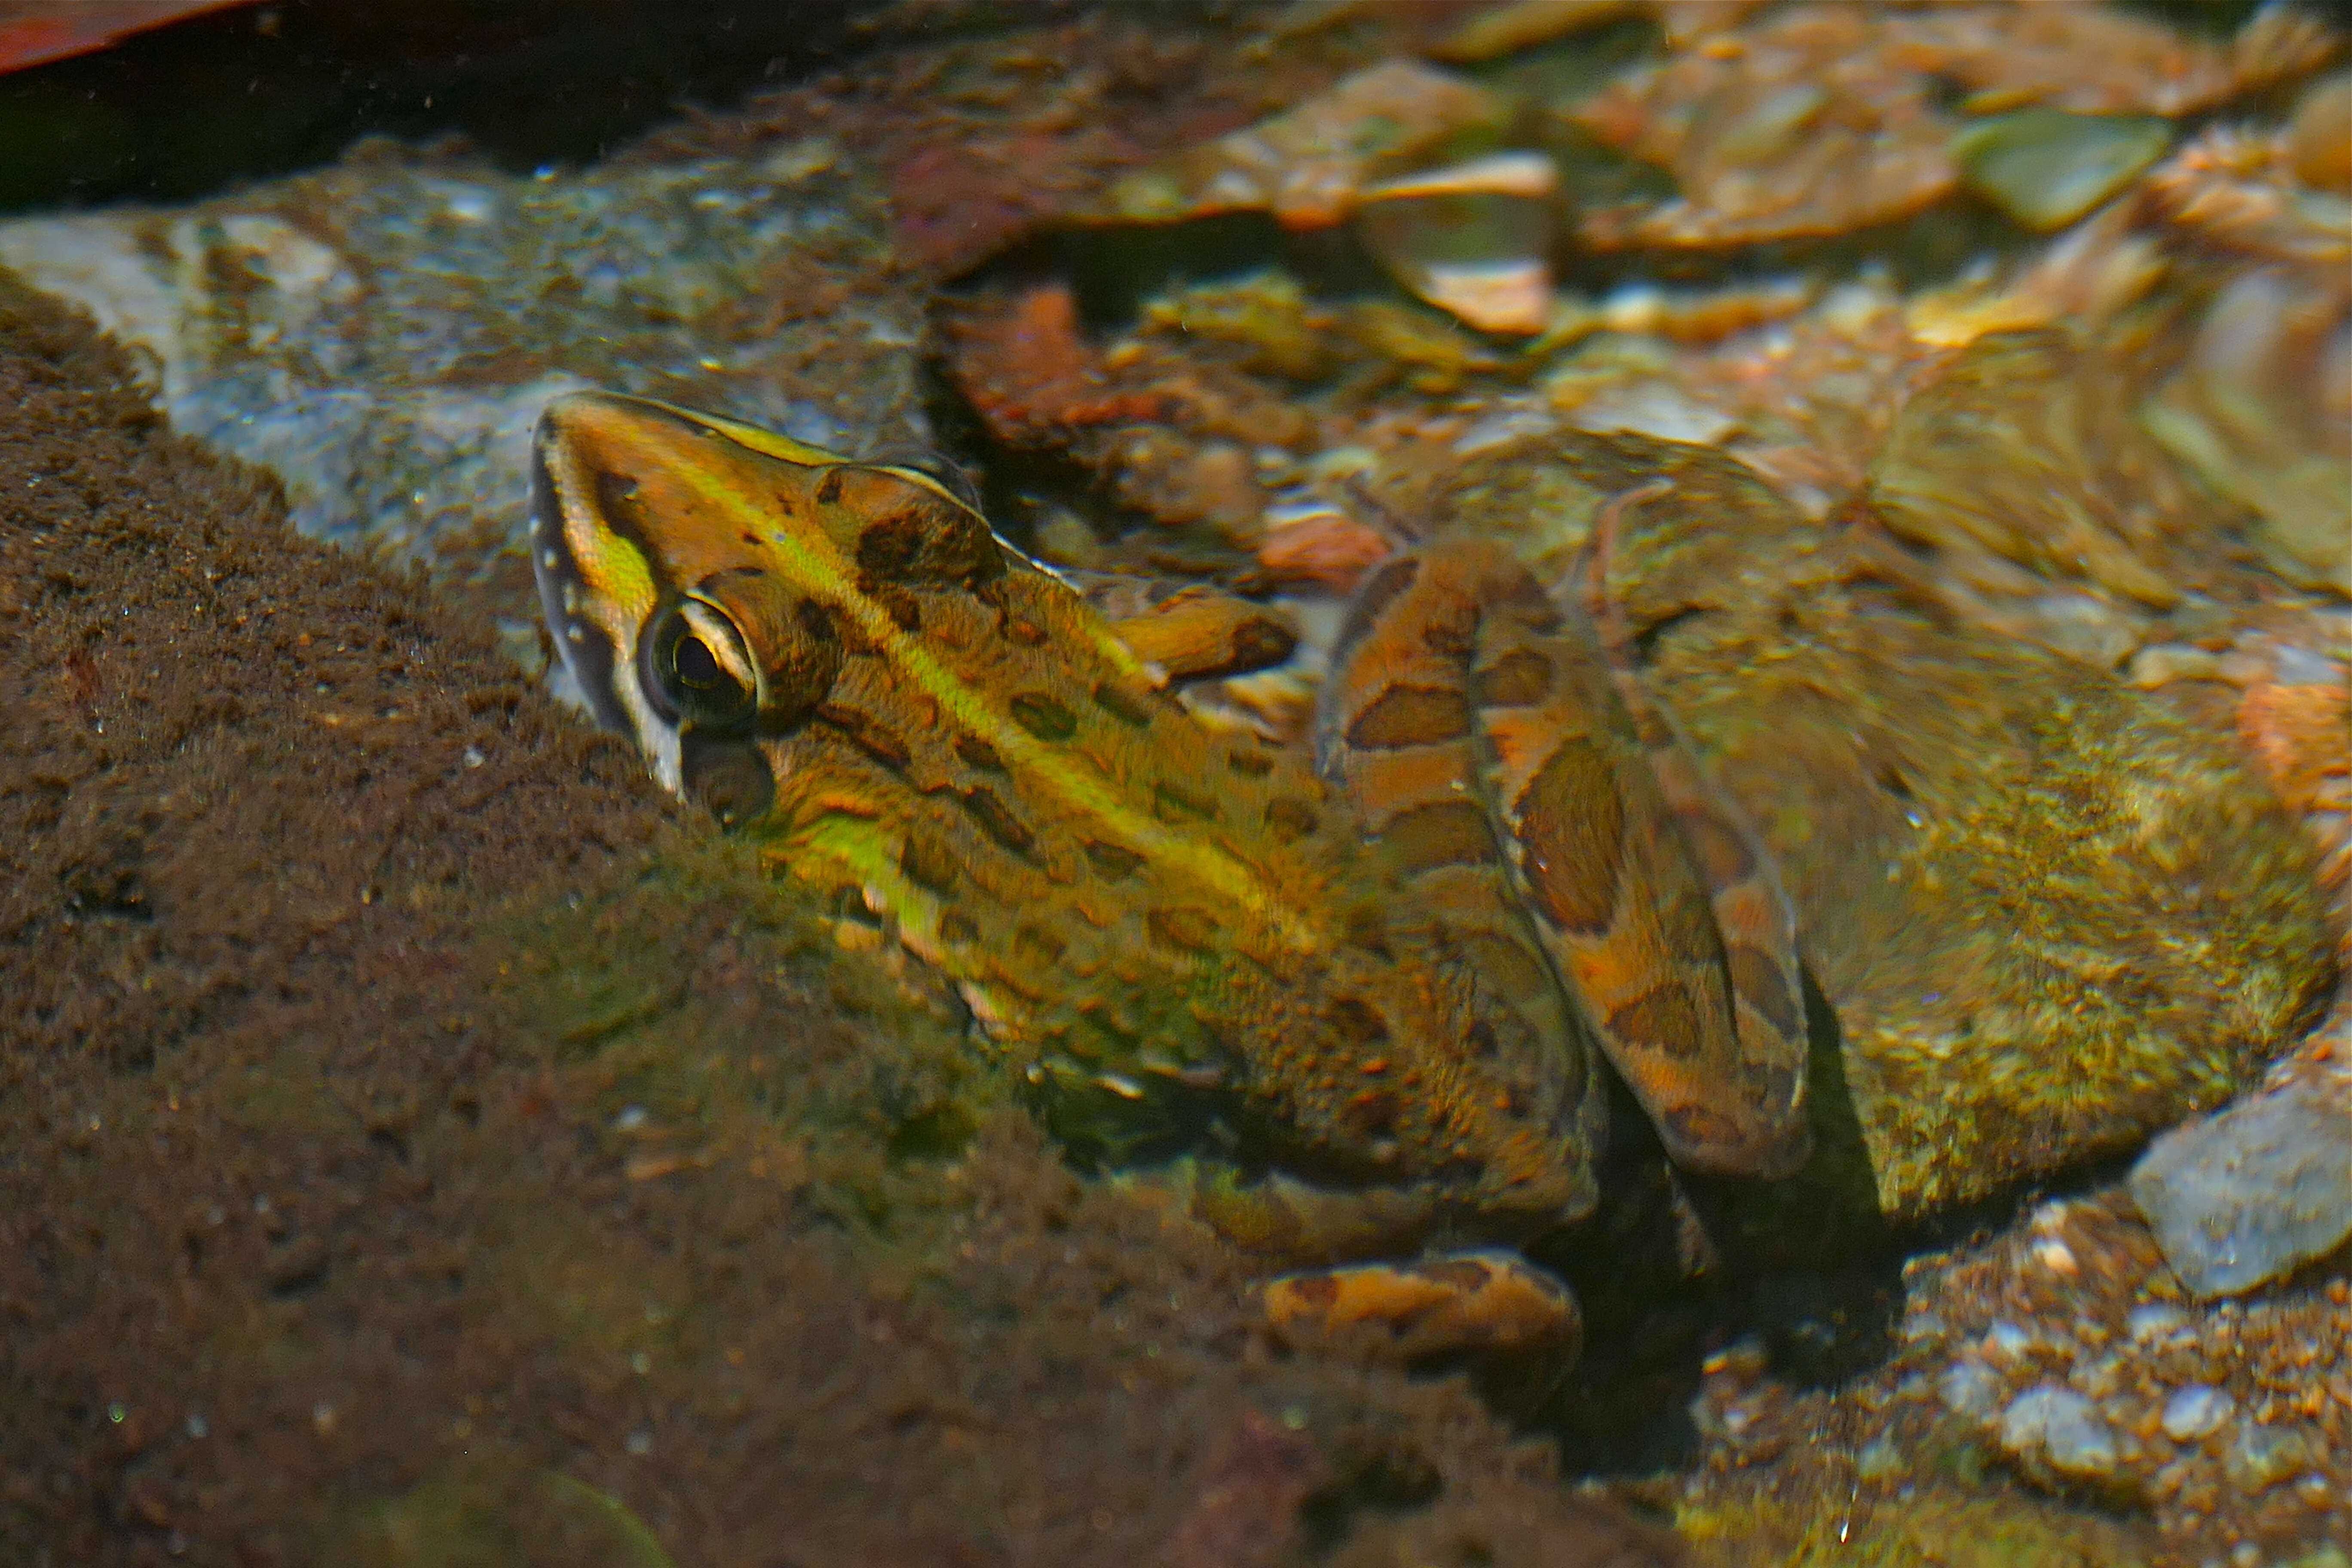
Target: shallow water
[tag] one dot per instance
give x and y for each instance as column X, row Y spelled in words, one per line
column 424, row 1141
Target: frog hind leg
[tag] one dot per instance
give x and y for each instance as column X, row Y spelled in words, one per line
column 1753, row 912
column 1593, row 845
column 1395, row 736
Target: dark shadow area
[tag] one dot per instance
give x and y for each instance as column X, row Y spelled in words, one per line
column 251, row 92
column 1678, row 1266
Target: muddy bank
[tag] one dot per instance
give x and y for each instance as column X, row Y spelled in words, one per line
column 415, row 1148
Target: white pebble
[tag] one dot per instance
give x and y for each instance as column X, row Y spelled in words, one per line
column 1970, row 1388
column 2196, row 1410
column 2065, row 1425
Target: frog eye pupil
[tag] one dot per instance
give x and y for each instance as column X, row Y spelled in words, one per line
column 696, row 665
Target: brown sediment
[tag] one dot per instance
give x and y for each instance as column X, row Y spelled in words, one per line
column 417, row 1144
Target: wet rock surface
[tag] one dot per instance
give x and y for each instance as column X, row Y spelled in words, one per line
column 382, row 334
column 2255, row 1191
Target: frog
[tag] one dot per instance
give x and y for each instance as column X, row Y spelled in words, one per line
column 1378, row 980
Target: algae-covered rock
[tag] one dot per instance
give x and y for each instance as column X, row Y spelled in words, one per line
column 2050, row 917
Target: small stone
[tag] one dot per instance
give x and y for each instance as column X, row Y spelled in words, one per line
column 2320, row 139
column 2152, row 1320
column 2065, row 1426
column 1970, row 1388
column 1922, row 1324
column 2246, row 1195
column 2194, row 1411
column 2161, row 663
column 2045, row 167
column 1878, row 1460
column 2007, row 1340
column 2264, row 1456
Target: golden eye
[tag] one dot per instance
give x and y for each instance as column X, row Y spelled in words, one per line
column 698, row 668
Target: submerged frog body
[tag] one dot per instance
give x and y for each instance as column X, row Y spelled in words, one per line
column 1394, row 981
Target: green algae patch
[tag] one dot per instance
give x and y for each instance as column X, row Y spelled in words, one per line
column 1936, row 1526
column 702, row 1015
column 481, row 1514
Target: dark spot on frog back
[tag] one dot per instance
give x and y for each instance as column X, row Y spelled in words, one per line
column 1405, row 715
column 867, row 734
column 997, row 820
column 1443, row 832
column 1186, row 930
column 1570, row 826
column 928, row 863
column 1044, row 715
column 1720, row 853
column 1131, row 702
column 1664, row 1020
column 1756, row 978
column 979, row 754
column 1113, row 862
column 1520, row 678
column 1177, row 800
column 1355, row 1023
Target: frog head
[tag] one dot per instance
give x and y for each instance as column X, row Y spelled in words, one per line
column 701, row 575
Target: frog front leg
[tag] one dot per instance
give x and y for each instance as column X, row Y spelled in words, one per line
column 1358, row 1257
column 1419, row 1301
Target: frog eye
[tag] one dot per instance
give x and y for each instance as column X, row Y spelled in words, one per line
column 697, row 667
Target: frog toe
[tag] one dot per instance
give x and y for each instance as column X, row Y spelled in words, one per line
column 1491, row 1300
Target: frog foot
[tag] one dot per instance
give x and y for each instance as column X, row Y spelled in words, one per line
column 1491, row 1300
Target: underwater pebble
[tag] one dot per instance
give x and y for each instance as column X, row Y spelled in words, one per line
column 1470, row 239
column 2065, row 1425
column 2196, row 1410
column 2045, row 167
column 2320, row 139
column 2007, row 1339
column 2261, row 1457
column 2152, row 1320
column 1970, row 1388
column 1878, row 1460
column 2164, row 663
column 2244, row 1195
